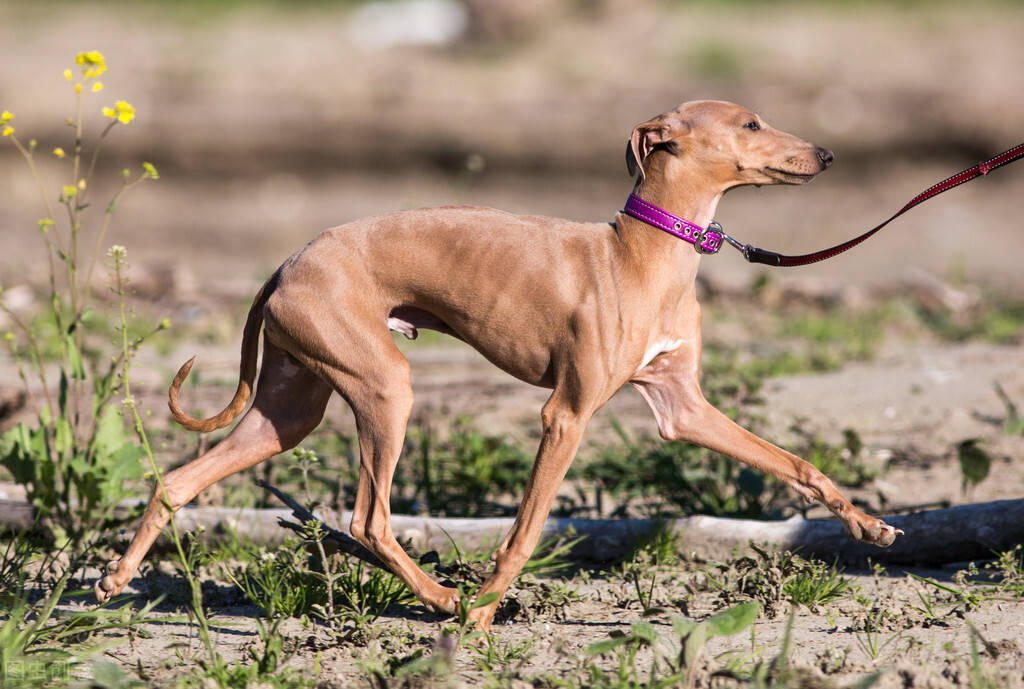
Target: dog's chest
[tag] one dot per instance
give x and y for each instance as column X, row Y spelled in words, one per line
column 661, row 346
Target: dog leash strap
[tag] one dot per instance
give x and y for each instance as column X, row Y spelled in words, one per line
column 756, row 255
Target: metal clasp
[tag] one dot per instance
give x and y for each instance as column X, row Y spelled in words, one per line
column 713, row 226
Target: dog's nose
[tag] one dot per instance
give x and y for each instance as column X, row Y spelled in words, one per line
column 824, row 155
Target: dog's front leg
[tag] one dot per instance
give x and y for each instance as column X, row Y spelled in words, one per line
column 670, row 386
column 563, row 425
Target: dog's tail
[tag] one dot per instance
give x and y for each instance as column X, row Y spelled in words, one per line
column 246, row 373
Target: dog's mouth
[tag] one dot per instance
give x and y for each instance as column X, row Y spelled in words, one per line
column 789, row 176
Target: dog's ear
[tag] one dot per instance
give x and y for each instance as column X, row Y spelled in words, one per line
column 645, row 137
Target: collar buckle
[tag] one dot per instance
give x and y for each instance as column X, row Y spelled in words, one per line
column 709, row 240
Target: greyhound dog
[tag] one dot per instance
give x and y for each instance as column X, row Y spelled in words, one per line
column 580, row 308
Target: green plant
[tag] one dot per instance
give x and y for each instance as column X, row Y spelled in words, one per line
column 678, row 653
column 277, row 581
column 843, row 464
column 995, row 319
column 872, row 638
column 980, row 679
column 675, row 477
column 1010, row 565
column 493, row 655
column 775, row 576
column 364, row 593
column 416, row 669
column 644, row 568
column 77, row 461
column 1014, row 423
column 960, row 592
column 456, row 474
column 816, row 584
column 975, row 462
column 39, row 644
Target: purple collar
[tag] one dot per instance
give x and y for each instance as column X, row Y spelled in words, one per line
column 705, row 241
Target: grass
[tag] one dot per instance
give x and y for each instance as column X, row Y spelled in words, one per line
column 687, row 635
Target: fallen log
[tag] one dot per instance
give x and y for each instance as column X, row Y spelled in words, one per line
column 933, row 537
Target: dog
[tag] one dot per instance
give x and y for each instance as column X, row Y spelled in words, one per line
column 580, row 308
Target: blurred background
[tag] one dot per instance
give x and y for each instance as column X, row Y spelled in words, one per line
column 270, row 121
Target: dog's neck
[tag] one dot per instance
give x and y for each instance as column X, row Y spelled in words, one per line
column 678, row 188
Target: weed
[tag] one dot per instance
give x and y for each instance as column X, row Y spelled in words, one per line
column 842, row 463
column 493, row 655
column 960, row 592
column 417, row 669
column 815, row 585
column 677, row 654
column 669, row 478
column 1010, row 564
column 975, row 463
column 773, row 577
column 456, row 474
column 363, row 596
column 38, row 645
column 929, row 609
column 872, row 640
column 277, row 581
column 645, row 568
column 996, row 319
column 76, row 466
column 1014, row 424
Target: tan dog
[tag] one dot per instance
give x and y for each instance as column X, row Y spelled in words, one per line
column 580, row 308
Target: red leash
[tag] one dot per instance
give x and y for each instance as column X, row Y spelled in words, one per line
column 755, row 255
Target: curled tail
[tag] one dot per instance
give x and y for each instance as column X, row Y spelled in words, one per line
column 246, row 373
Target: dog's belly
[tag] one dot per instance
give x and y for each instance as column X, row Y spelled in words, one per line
column 529, row 364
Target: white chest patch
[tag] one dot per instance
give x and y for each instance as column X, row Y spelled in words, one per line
column 659, row 347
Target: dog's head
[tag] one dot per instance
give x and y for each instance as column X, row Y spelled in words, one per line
column 734, row 142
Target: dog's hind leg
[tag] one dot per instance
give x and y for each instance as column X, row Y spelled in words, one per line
column 290, row 402
column 380, row 395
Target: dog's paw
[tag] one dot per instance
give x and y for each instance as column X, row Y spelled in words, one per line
column 109, row 586
column 874, row 531
column 885, row 535
column 447, row 603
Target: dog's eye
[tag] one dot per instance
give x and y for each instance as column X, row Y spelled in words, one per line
column 752, row 125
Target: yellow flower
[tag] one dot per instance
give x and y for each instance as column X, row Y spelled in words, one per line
column 6, row 117
column 8, row 131
column 67, row 74
column 70, row 191
column 123, row 112
column 78, row 88
column 59, row 152
column 92, row 63
column 98, row 86
column 150, row 171
column 81, row 184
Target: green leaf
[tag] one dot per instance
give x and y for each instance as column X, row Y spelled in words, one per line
column 618, row 639
column 694, row 643
column 682, row 625
column 733, row 620
column 974, row 462
column 17, row 455
column 644, row 631
column 852, row 441
column 74, row 358
column 483, row 600
column 751, row 482
column 63, row 439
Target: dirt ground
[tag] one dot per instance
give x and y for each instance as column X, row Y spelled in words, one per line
column 268, row 126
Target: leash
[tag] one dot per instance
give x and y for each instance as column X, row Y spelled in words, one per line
column 709, row 240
